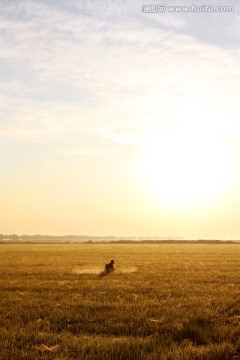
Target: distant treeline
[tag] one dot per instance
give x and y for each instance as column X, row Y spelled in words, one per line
column 85, row 239
column 76, row 238
column 168, row 241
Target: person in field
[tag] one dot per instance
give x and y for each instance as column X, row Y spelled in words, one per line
column 109, row 268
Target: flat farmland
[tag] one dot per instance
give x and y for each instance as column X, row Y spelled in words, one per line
column 166, row 302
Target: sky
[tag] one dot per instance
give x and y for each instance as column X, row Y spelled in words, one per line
column 119, row 121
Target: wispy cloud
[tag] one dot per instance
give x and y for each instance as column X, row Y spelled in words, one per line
column 73, row 66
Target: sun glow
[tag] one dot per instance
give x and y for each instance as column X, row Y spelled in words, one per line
column 185, row 171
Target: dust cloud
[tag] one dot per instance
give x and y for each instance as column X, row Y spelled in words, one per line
column 92, row 270
column 127, row 270
column 97, row 270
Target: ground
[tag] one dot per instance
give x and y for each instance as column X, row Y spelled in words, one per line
column 166, row 302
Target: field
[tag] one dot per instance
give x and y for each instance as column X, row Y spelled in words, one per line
column 166, row 302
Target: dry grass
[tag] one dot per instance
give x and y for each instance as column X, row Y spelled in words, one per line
column 163, row 302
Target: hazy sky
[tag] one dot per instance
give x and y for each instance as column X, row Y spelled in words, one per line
column 119, row 122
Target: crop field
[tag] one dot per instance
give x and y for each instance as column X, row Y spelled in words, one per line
column 166, row 302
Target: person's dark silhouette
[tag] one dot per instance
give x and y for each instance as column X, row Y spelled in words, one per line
column 109, row 268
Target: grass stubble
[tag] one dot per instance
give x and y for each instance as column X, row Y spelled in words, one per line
column 166, row 302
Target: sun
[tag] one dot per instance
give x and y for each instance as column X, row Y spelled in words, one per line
column 185, row 171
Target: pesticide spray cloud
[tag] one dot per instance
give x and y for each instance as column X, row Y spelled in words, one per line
column 97, row 270
column 81, row 271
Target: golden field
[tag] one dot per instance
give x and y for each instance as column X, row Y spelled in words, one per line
column 166, row 302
